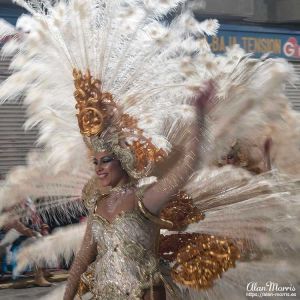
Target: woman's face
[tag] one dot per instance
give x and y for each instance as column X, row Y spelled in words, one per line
column 108, row 169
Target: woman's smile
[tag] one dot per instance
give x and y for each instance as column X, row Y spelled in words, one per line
column 101, row 175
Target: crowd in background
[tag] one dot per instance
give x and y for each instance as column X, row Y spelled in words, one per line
column 18, row 233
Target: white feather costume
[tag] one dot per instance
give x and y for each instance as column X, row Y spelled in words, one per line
column 153, row 70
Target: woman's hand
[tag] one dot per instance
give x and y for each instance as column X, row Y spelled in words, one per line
column 205, row 97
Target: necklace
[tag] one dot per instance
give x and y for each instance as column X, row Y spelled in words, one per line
column 115, row 195
column 122, row 189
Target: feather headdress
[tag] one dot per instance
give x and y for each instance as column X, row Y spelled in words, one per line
column 121, row 63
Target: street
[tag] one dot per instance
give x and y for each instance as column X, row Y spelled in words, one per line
column 32, row 293
column 24, row 288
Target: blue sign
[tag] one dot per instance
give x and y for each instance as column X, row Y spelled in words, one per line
column 258, row 40
column 11, row 13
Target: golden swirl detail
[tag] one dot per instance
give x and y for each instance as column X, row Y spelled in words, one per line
column 95, row 107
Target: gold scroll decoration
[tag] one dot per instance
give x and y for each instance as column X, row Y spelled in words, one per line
column 181, row 211
column 94, row 107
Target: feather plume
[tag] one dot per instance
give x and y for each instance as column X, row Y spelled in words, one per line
column 49, row 250
column 263, row 208
column 83, row 35
column 56, row 195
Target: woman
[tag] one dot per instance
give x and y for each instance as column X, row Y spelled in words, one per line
column 132, row 79
column 123, row 226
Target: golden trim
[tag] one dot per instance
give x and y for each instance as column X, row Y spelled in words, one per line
column 155, row 219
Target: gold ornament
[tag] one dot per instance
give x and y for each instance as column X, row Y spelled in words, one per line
column 199, row 259
column 181, row 211
column 95, row 108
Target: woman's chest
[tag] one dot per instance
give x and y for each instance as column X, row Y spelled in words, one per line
column 112, row 207
column 127, row 227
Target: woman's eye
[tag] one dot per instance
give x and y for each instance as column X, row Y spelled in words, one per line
column 95, row 162
column 106, row 160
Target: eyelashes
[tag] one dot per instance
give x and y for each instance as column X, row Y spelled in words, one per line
column 103, row 160
column 106, row 159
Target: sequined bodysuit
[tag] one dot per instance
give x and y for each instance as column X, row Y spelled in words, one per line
column 126, row 264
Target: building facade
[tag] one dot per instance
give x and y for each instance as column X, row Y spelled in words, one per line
column 264, row 40
column 14, row 141
column 261, row 27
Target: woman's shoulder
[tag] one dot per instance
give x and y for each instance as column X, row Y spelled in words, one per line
column 90, row 193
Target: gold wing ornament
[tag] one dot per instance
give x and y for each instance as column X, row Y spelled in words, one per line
column 196, row 259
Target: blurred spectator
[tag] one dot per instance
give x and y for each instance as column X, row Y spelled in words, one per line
column 16, row 233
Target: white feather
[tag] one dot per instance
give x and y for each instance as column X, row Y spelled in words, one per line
column 49, row 250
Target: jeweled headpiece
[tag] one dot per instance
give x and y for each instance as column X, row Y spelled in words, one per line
column 105, row 127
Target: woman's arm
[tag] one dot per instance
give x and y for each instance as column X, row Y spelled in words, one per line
column 84, row 257
column 267, row 154
column 159, row 194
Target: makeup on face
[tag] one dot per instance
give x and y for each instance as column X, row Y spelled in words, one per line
column 108, row 169
column 103, row 160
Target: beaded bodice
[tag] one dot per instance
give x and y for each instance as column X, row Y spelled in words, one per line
column 126, row 263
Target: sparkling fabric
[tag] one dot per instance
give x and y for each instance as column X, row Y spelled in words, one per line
column 126, row 264
column 125, row 249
